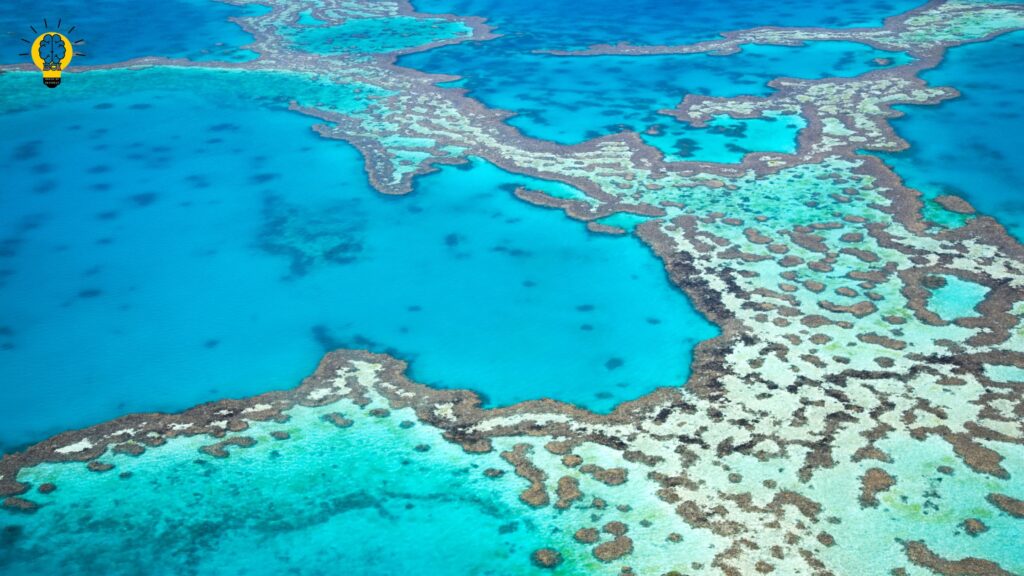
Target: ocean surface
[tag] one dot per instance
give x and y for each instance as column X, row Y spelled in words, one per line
column 985, row 123
column 192, row 249
column 118, row 30
column 567, row 25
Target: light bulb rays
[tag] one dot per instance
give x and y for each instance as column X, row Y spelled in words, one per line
column 46, row 26
column 52, row 51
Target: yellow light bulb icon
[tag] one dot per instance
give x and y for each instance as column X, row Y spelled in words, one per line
column 51, row 53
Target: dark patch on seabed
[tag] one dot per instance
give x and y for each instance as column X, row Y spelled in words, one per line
column 311, row 236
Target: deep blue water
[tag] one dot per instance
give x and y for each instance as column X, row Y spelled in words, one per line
column 972, row 146
column 117, row 30
column 190, row 248
column 572, row 99
column 543, row 23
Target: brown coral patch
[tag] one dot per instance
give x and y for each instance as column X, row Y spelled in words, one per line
column 859, row 309
column 338, row 420
column 608, row 476
column 884, row 341
column 97, row 466
column 571, row 460
column 219, row 450
column 19, row 504
column 615, row 528
column 587, row 535
column 919, row 553
column 614, row 549
column 129, row 448
column 546, row 558
column 568, row 491
column 1011, row 506
column 535, row 495
column 873, row 481
column 955, row 204
column 974, row 526
column 978, row 457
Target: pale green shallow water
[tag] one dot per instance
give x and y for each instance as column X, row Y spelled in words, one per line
column 957, row 298
column 368, row 499
column 360, row 500
column 1003, row 373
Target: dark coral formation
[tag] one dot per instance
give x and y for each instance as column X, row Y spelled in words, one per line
column 546, row 558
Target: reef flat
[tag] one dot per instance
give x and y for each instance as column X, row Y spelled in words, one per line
column 852, row 416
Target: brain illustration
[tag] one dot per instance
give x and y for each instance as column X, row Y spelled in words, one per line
column 51, row 50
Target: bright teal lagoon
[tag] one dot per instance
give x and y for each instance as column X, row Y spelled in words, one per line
column 956, row 298
column 726, row 139
column 191, row 248
column 972, row 146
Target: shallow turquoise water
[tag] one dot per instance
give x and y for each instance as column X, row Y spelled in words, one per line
column 724, row 139
column 383, row 496
column 956, row 299
column 972, row 146
column 360, row 501
column 117, row 30
column 1005, row 373
column 572, row 99
column 190, row 249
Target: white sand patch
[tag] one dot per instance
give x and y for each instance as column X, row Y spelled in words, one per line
column 445, row 411
column 80, row 446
